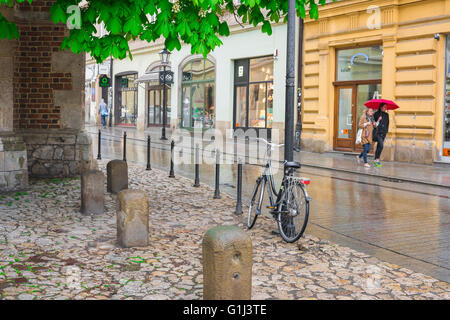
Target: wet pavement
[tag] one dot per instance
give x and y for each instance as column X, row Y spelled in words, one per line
column 50, row 251
column 437, row 174
column 400, row 222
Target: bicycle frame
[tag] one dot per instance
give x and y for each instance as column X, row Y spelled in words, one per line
column 267, row 177
column 286, row 207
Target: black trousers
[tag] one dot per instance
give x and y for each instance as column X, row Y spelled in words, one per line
column 380, row 145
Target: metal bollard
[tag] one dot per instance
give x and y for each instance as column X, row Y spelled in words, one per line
column 217, row 191
column 172, row 146
column 125, row 146
column 239, row 189
column 227, row 264
column 197, row 167
column 99, row 155
column 149, row 142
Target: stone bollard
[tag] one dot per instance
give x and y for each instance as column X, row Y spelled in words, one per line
column 132, row 218
column 92, row 192
column 117, row 176
column 227, row 264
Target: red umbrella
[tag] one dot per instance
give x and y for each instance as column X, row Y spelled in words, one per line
column 375, row 104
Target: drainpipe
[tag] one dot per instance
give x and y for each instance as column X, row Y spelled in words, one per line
column 298, row 127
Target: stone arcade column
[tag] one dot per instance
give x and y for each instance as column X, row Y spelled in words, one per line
column 13, row 154
column 49, row 96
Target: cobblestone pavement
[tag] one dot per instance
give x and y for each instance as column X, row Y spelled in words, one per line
column 49, row 250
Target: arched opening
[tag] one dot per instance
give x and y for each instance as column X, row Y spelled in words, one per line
column 154, row 96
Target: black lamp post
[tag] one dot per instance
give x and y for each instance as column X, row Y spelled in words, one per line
column 290, row 84
column 111, row 91
column 165, row 56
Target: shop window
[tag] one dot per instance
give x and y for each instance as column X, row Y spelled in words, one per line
column 359, row 63
column 198, row 94
column 127, row 99
column 253, row 87
column 155, row 94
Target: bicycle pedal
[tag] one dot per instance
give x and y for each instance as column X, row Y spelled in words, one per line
column 270, row 207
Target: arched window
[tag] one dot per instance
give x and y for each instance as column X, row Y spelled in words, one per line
column 198, row 94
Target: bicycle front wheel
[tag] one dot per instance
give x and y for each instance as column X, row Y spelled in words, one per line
column 293, row 216
column 254, row 209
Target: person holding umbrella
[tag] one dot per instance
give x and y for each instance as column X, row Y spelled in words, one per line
column 367, row 124
column 382, row 119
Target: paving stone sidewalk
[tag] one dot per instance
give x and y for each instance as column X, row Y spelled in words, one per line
column 49, row 250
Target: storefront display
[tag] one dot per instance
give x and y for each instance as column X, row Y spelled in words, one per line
column 253, row 107
column 198, row 94
column 127, row 99
column 156, row 106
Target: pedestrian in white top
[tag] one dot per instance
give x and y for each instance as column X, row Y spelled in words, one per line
column 103, row 111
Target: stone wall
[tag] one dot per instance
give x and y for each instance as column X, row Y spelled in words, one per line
column 13, row 163
column 41, row 101
column 61, row 153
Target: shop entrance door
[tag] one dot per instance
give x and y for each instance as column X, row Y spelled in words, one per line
column 345, row 102
column 155, row 109
column 349, row 107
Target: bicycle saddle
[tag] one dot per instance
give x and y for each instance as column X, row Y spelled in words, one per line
column 292, row 164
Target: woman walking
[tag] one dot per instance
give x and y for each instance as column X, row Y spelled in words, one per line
column 382, row 118
column 366, row 123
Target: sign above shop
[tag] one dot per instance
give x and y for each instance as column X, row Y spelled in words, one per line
column 240, row 71
column 168, row 75
column 103, row 68
column 104, row 81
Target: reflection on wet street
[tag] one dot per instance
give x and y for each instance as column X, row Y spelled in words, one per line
column 406, row 224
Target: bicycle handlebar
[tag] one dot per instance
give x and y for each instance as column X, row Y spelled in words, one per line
column 270, row 143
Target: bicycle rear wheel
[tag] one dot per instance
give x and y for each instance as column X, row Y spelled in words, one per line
column 293, row 217
column 254, row 209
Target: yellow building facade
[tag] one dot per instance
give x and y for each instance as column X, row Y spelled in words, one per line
column 391, row 49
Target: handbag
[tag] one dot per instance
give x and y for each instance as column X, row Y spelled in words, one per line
column 375, row 134
column 359, row 136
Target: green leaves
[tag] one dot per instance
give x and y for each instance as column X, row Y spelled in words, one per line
column 133, row 25
column 115, row 25
column 172, row 43
column 198, row 23
column 8, row 30
column 267, row 28
column 224, row 30
column 314, row 10
column 58, row 14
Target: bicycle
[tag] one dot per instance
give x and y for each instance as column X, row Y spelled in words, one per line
column 291, row 208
